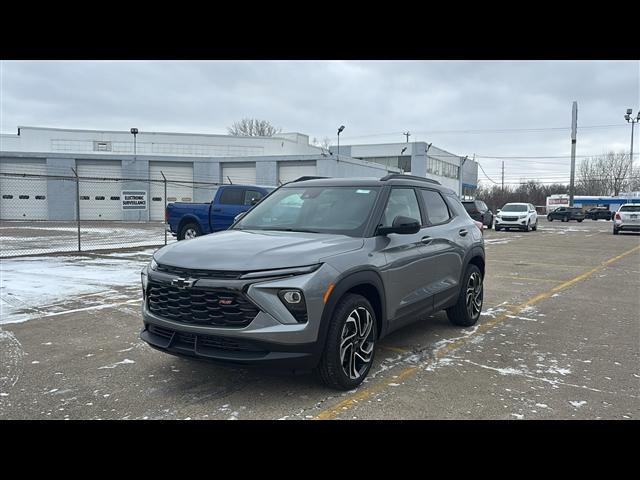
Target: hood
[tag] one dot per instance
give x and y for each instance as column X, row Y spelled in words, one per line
column 247, row 250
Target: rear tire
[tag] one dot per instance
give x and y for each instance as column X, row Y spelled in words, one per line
column 579, row 221
column 466, row 311
column 550, row 219
column 348, row 353
column 189, row 230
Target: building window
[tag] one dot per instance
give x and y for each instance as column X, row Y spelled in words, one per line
column 40, row 197
column 441, row 168
column 24, row 197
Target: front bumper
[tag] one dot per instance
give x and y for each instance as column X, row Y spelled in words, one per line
column 519, row 223
column 272, row 337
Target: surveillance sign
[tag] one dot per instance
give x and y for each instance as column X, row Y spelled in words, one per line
column 134, row 200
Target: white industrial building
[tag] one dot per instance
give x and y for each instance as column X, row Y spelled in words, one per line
column 420, row 159
column 34, row 161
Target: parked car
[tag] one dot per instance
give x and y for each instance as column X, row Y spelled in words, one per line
column 190, row 220
column 316, row 274
column 598, row 213
column 521, row 216
column 627, row 218
column 479, row 211
column 565, row 214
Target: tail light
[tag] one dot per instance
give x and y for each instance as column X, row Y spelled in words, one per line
column 618, row 217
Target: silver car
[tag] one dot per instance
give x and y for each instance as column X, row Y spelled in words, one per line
column 316, row 274
column 627, row 218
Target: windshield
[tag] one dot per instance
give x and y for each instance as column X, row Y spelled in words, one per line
column 630, row 208
column 339, row 210
column 512, row 207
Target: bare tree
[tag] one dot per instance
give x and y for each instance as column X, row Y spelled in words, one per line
column 607, row 174
column 252, row 127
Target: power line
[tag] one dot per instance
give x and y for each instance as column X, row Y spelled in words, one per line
column 491, row 180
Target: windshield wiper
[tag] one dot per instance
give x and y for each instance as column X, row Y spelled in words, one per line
column 303, row 230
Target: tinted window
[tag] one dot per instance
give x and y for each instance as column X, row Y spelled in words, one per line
column 232, row 196
column 512, row 207
column 470, row 207
column 402, row 201
column 437, row 211
column 630, row 208
column 252, row 196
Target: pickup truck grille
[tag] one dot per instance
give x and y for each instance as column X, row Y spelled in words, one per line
column 197, row 273
column 200, row 306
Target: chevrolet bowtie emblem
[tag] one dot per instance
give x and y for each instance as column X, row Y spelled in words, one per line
column 183, row 282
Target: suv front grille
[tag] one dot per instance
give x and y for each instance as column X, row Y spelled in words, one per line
column 200, row 306
column 509, row 219
column 196, row 273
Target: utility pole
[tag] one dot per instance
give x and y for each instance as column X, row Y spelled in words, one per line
column 632, row 121
column 462, row 160
column 574, row 125
column 407, row 134
column 502, row 176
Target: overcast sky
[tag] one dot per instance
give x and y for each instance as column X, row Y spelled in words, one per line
column 457, row 105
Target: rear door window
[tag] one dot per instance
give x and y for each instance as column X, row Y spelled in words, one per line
column 437, row 210
column 232, row 196
column 402, row 202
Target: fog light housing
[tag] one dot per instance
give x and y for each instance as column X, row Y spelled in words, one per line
column 294, row 301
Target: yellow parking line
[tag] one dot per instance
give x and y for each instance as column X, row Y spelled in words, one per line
column 394, row 349
column 336, row 410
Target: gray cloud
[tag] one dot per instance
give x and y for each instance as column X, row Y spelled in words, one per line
column 376, row 100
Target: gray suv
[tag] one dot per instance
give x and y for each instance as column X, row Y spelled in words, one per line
column 316, row 274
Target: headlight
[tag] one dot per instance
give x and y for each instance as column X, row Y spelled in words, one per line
column 145, row 279
column 153, row 265
column 522, row 216
column 282, row 272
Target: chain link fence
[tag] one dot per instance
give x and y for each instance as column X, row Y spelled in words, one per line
column 44, row 214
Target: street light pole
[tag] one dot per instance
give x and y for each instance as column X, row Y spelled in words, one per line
column 632, row 121
column 134, row 132
column 339, row 130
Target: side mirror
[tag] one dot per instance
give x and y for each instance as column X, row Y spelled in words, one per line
column 401, row 225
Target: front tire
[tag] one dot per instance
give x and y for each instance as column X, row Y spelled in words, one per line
column 550, row 219
column 349, row 351
column 466, row 311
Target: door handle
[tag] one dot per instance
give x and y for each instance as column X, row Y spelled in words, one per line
column 217, row 209
column 462, row 232
column 426, row 240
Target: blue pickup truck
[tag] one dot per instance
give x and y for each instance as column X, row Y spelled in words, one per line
column 190, row 220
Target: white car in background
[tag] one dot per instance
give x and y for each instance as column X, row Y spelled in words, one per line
column 522, row 216
column 627, row 218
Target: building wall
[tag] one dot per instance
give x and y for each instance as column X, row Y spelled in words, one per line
column 38, row 139
column 62, row 193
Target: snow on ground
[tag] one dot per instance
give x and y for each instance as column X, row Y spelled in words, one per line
column 32, row 287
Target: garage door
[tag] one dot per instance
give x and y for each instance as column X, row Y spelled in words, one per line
column 179, row 187
column 23, row 198
column 239, row 173
column 100, row 197
column 288, row 171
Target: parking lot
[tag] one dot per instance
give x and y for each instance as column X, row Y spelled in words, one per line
column 559, row 338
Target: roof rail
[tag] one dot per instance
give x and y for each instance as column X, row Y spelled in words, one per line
column 391, row 176
column 302, row 179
